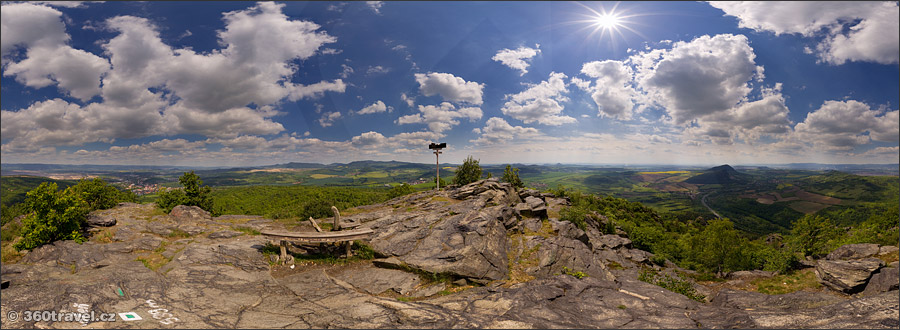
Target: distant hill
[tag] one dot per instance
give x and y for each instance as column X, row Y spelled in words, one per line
column 724, row 174
column 15, row 187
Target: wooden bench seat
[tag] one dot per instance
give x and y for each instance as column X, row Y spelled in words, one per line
column 318, row 236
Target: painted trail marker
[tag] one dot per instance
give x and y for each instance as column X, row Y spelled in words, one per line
column 130, row 316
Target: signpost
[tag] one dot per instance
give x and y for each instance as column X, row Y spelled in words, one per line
column 437, row 151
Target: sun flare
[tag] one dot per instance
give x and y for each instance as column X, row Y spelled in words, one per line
column 608, row 21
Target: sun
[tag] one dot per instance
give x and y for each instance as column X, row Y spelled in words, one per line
column 608, row 21
column 608, row 25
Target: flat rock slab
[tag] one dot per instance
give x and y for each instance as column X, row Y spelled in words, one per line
column 847, row 276
column 375, row 280
column 853, row 251
column 224, row 234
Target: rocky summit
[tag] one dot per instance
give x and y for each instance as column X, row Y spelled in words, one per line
column 484, row 255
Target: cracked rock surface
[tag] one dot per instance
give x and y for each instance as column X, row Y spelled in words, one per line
column 478, row 256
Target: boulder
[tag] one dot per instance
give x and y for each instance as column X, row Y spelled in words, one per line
column 888, row 279
column 183, row 213
column 471, row 244
column 536, row 206
column 749, row 274
column 847, row 276
column 614, row 242
column 887, row 249
column 525, row 193
column 853, row 251
column 100, row 220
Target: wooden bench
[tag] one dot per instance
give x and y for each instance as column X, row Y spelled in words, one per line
column 335, row 236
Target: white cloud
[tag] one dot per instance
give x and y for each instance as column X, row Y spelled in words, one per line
column 840, row 125
column 48, row 60
column 497, row 130
column 377, row 70
column 441, row 117
column 328, row 118
column 368, row 139
column 540, row 103
column 67, row 4
column 377, row 107
column 705, row 76
column 347, row 70
column 29, row 25
column 317, row 90
column 852, row 31
column 375, row 6
column 518, row 58
column 181, row 119
column 612, row 91
column 56, row 122
column 450, row 87
column 410, row 101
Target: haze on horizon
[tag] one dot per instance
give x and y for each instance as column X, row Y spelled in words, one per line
column 670, row 83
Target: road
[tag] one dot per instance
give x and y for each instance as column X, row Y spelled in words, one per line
column 703, row 200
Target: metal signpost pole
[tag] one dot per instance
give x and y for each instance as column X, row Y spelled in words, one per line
column 437, row 162
column 438, row 169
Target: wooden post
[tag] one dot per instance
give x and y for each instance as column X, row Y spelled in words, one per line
column 337, row 219
column 315, row 225
column 437, row 163
column 349, row 244
column 283, row 251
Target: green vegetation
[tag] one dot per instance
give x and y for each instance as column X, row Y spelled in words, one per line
column 98, row 195
column 511, row 175
column 717, row 246
column 299, row 202
column 675, row 284
column 787, row 283
column 401, row 190
column 468, row 172
column 577, row 274
column 52, row 215
column 59, row 215
column 193, row 194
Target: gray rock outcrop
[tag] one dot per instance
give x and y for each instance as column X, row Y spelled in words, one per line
column 853, row 251
column 847, row 276
column 168, row 270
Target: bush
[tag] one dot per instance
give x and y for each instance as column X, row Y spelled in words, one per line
column 52, row 215
column 511, row 175
column 98, row 195
column 193, row 194
column 674, row 284
column 809, row 235
column 401, row 190
column 468, row 172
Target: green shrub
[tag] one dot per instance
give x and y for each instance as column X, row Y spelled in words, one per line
column 675, row 284
column 98, row 195
column 511, row 175
column 810, row 234
column 193, row 194
column 468, row 172
column 401, row 190
column 52, row 215
column 577, row 274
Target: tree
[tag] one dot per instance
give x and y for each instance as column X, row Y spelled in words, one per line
column 809, row 235
column 193, row 194
column 468, row 172
column 511, row 175
column 52, row 215
column 401, row 190
column 98, row 195
column 718, row 246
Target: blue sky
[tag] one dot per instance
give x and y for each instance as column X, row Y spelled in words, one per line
column 244, row 83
